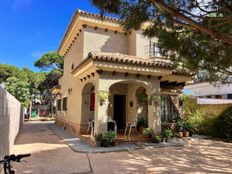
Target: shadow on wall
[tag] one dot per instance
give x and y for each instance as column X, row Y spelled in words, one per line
column 11, row 120
column 116, row 43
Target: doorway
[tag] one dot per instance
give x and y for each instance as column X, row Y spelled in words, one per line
column 120, row 111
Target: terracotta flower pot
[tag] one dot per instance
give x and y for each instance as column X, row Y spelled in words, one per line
column 186, row 134
column 180, row 134
column 141, row 129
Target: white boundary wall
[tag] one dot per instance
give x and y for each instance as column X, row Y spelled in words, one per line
column 11, row 119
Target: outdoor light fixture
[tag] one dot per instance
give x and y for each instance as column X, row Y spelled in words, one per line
column 69, row 90
column 131, row 104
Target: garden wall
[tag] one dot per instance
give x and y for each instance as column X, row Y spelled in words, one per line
column 212, row 109
column 11, row 119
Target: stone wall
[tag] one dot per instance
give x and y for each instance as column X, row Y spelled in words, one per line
column 11, row 119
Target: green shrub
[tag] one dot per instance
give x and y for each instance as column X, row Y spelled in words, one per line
column 142, row 122
column 194, row 122
column 167, row 133
column 156, row 139
column 189, row 105
column 223, row 124
column 109, row 136
column 179, row 126
column 147, row 131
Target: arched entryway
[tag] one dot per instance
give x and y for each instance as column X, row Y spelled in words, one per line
column 88, row 103
column 127, row 101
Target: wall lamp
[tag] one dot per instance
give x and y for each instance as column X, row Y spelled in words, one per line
column 69, row 90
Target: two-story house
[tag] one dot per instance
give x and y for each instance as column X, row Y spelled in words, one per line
column 110, row 73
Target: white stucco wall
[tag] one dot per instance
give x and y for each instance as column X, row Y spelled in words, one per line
column 207, row 89
column 11, row 120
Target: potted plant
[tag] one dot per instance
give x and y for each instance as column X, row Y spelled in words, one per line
column 108, row 138
column 147, row 133
column 156, row 138
column 98, row 139
column 141, row 123
column 189, row 127
column 162, row 137
column 186, row 129
column 168, row 134
column 179, row 128
column 102, row 96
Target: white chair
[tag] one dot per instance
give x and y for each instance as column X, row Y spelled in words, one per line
column 90, row 126
column 130, row 125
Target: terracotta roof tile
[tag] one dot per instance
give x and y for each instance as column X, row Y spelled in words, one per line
column 128, row 59
column 133, row 60
column 98, row 16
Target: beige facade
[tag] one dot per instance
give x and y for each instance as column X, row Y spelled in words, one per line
column 101, row 58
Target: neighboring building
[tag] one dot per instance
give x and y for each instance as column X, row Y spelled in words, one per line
column 113, row 74
column 207, row 90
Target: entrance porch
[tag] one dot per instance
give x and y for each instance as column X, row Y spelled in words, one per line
column 121, row 100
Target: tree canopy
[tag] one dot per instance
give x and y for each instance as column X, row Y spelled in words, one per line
column 7, row 71
column 196, row 33
column 53, row 63
column 19, row 89
column 49, row 61
column 26, row 85
column 21, row 83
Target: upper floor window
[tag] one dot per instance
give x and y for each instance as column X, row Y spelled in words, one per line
column 65, row 104
column 154, row 50
column 59, row 105
column 218, row 96
column 229, row 96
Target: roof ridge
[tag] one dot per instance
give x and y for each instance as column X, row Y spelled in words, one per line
column 90, row 14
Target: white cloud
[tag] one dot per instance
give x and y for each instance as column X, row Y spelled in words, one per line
column 18, row 4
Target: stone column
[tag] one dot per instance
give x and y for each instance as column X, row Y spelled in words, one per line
column 154, row 110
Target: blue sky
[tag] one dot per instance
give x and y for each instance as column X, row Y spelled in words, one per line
column 29, row 28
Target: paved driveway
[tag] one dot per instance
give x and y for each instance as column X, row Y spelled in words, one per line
column 51, row 156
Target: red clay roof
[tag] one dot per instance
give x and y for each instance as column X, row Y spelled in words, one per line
column 98, row 16
column 130, row 60
column 136, row 61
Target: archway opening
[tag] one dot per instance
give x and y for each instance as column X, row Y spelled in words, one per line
column 88, row 103
column 123, row 102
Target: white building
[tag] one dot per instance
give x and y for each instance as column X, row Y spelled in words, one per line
column 207, row 90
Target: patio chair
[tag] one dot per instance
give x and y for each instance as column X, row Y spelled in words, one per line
column 131, row 125
column 90, row 125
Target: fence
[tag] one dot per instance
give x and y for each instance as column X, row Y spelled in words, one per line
column 11, row 119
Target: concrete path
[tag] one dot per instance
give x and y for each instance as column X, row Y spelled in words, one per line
column 78, row 145
column 50, row 155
